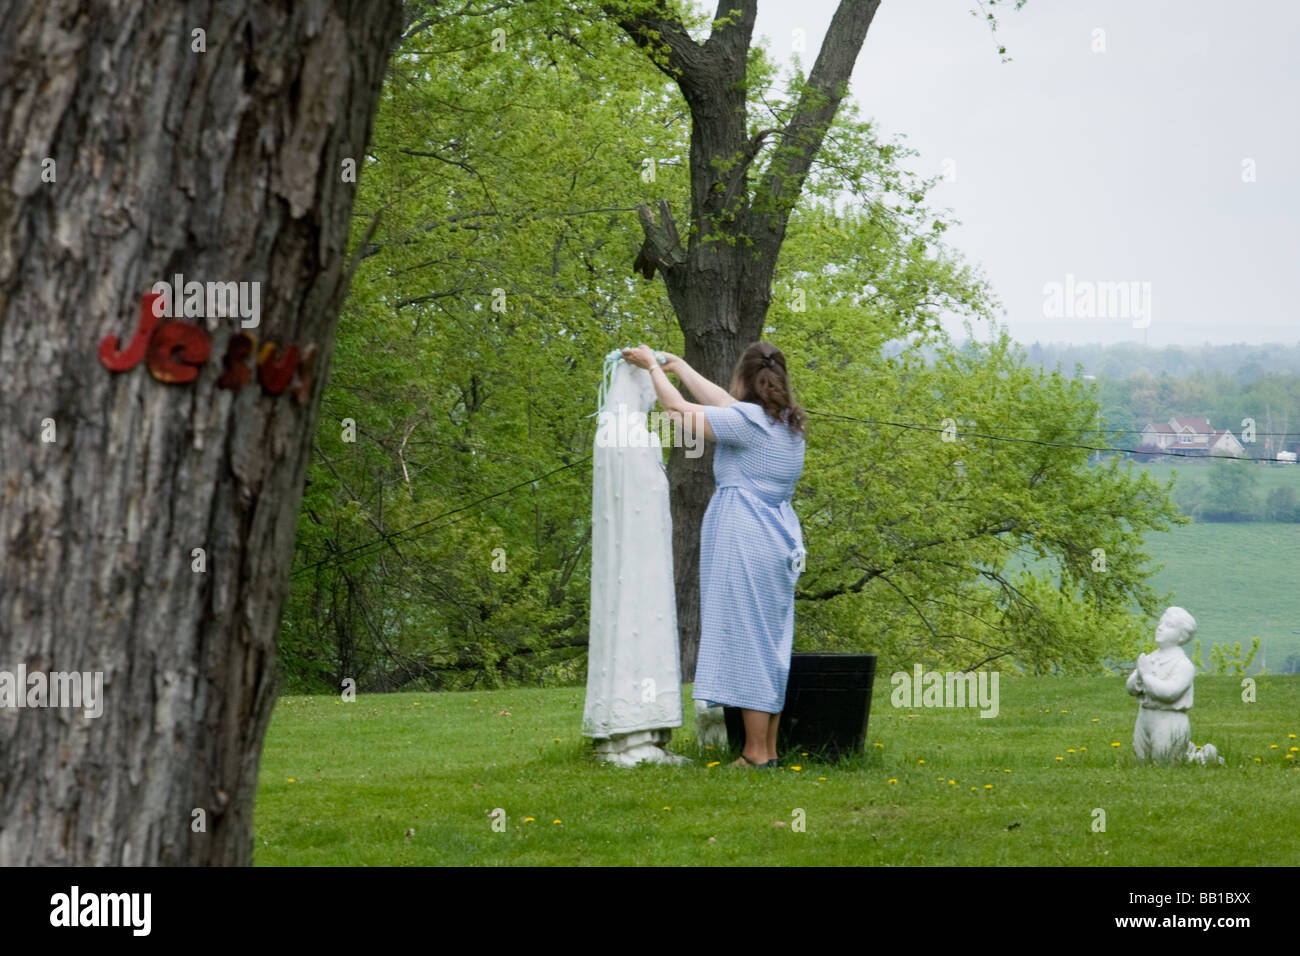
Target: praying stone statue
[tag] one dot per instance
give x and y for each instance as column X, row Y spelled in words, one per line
column 1162, row 683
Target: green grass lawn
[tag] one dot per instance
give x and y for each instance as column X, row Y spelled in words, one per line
column 411, row 779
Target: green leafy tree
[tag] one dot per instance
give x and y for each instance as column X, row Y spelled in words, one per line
column 1231, row 493
column 1283, row 504
column 1233, row 660
column 492, row 237
column 1188, row 492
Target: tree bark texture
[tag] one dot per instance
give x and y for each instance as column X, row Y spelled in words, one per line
column 719, row 282
column 222, row 165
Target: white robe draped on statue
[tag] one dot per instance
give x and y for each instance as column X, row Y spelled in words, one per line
column 633, row 670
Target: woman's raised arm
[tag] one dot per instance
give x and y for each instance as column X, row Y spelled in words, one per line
column 703, row 391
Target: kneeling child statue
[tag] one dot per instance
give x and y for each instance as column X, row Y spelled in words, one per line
column 1162, row 683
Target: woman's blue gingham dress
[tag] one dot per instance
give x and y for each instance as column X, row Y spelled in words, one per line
column 747, row 575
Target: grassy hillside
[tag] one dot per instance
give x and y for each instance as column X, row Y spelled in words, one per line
column 1238, row 580
column 412, row 779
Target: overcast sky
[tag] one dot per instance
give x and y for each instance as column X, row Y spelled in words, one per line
column 1117, row 166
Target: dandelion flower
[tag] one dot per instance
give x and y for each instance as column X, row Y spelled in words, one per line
column 1290, row 756
column 1114, row 743
column 557, row 740
column 1060, row 758
column 529, row 820
column 1095, row 719
column 796, row 767
column 1008, row 770
column 715, row 763
column 1259, row 760
column 821, row 778
column 879, row 744
column 291, row 780
column 555, row 821
column 922, row 760
column 1294, row 749
column 804, row 754
column 1291, row 736
column 973, row 788
column 1272, row 746
column 1081, row 749
column 893, row 780
column 667, row 808
column 1070, row 751
column 952, row 783
column 708, row 746
column 988, row 786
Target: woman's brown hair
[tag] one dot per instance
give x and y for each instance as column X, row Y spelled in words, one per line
column 760, row 377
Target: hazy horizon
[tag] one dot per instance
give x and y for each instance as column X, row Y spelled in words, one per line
column 1074, row 164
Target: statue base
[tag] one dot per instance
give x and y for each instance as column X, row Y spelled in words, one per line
column 641, row 746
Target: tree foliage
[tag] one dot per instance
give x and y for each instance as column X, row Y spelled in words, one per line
column 495, row 227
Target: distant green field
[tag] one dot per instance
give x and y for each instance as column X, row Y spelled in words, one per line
column 1238, row 581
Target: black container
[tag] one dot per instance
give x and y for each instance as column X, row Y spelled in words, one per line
column 827, row 702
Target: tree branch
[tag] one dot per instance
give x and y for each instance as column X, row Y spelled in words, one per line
column 826, row 88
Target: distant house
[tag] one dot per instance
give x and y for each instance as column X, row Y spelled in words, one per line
column 1189, row 436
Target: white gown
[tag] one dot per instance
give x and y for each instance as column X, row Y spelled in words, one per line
column 633, row 669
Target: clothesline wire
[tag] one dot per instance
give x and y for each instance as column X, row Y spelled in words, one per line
column 362, row 550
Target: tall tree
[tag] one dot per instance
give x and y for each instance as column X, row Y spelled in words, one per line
column 470, row 349
column 719, row 276
column 145, row 141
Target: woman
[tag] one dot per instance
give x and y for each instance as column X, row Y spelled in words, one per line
column 751, row 544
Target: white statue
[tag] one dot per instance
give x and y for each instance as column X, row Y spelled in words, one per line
column 634, row 690
column 1162, row 683
column 710, row 726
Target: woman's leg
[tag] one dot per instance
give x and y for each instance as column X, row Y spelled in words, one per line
column 756, row 737
column 773, row 720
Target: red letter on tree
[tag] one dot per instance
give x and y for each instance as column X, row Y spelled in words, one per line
column 236, row 374
column 120, row 361
column 177, row 350
column 275, row 371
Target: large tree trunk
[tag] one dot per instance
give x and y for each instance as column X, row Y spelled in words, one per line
column 717, row 329
column 719, row 281
column 223, row 165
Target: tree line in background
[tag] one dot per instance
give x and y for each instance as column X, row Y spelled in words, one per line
column 1227, row 384
column 1244, row 363
column 1230, row 491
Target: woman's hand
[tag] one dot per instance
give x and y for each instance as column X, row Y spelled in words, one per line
column 672, row 363
column 641, row 357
